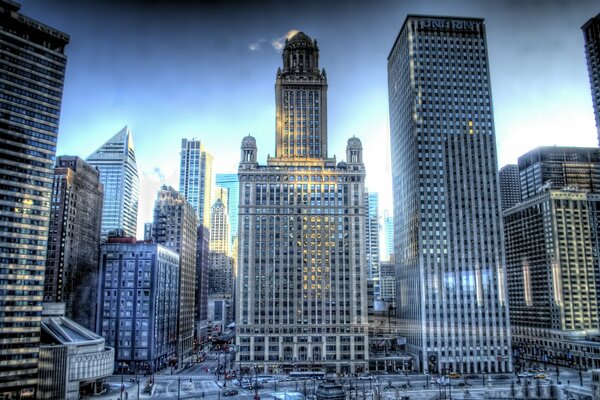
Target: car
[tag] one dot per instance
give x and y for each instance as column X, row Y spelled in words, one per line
column 525, row 375
column 472, row 376
column 365, row 377
column 501, row 377
column 464, row 384
column 540, row 376
column 453, row 375
column 230, row 392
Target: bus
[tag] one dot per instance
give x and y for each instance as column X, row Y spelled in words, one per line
column 307, row 375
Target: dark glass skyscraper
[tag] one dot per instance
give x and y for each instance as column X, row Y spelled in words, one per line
column 32, row 69
column 451, row 296
column 591, row 35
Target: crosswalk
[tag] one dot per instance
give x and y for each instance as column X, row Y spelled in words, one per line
column 202, row 377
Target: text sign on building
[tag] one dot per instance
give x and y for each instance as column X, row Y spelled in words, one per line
column 448, row 24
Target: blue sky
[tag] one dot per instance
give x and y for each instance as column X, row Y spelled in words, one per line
column 206, row 70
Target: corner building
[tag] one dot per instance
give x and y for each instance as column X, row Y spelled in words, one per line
column 302, row 280
column 451, row 284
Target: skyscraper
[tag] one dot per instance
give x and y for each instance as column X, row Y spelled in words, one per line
column 388, row 231
column 510, row 186
column 558, row 167
column 31, row 81
column 372, row 240
column 302, row 292
column 591, row 35
column 451, row 296
column 553, row 268
column 115, row 160
column 176, row 227
column 219, row 229
column 197, row 179
column 74, row 239
column 230, row 181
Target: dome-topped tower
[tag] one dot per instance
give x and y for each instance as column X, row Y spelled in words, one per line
column 300, row 55
column 301, row 102
column 248, row 154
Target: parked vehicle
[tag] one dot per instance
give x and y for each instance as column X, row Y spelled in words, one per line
column 230, row 392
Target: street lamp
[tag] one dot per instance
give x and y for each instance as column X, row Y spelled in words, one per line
column 122, row 365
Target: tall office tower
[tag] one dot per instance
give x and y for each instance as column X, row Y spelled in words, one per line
column 553, row 267
column 510, row 186
column 202, row 265
column 32, row 71
column 591, row 35
column 388, row 231
column 451, row 296
column 196, row 178
column 115, row 160
column 301, row 288
column 553, row 167
column 230, row 181
column 138, row 302
column 74, row 239
column 176, row 227
column 219, row 229
column 372, row 240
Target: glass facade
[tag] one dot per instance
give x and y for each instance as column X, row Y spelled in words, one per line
column 449, row 249
column 116, row 162
column 32, row 69
column 510, row 186
column 196, row 178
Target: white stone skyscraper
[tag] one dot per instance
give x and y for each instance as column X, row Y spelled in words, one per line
column 451, row 295
column 197, row 178
column 302, row 279
column 115, row 160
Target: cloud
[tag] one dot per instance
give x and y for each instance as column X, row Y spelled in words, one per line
column 256, row 45
column 279, row 43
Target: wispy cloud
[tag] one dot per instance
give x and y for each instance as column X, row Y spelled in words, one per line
column 256, row 45
column 279, row 43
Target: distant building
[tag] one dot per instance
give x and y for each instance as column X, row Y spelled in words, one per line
column 372, row 240
column 32, row 72
column 388, row 230
column 148, row 231
column 510, row 186
column 73, row 359
column 552, row 242
column 230, row 181
column 176, row 227
column 138, row 302
column 558, row 167
column 387, row 281
column 74, row 239
column 202, row 276
column 449, row 250
column 116, row 162
column 197, row 179
column 591, row 35
column 220, row 237
column 220, row 275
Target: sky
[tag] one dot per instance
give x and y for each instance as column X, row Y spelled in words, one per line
column 189, row 69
